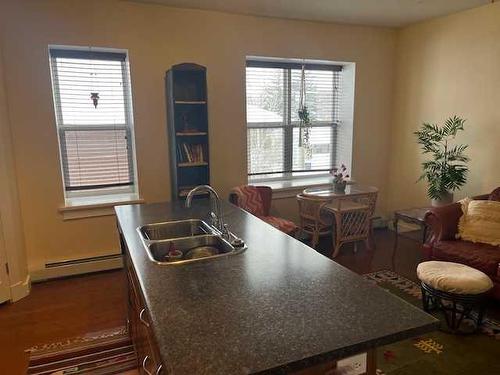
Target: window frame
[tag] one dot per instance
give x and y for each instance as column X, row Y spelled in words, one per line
column 287, row 124
column 86, row 196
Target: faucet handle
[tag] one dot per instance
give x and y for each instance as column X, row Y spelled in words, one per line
column 214, row 218
column 237, row 242
column 226, row 233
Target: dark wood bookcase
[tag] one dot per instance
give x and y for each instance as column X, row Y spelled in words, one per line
column 187, row 127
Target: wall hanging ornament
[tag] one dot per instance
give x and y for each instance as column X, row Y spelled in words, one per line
column 95, row 98
column 305, row 122
column 94, row 94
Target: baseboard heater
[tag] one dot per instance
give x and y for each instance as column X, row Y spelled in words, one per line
column 73, row 267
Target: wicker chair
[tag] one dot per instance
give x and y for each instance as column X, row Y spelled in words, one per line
column 312, row 220
column 353, row 220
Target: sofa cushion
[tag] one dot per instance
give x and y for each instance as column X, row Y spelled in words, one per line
column 283, row 225
column 481, row 256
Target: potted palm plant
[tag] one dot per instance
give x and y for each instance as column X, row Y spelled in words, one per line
column 446, row 170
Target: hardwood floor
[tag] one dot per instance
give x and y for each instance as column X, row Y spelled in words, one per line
column 408, row 254
column 60, row 309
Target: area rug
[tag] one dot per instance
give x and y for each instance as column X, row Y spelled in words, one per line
column 437, row 352
column 99, row 353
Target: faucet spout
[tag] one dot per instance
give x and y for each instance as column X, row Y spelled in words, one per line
column 216, row 209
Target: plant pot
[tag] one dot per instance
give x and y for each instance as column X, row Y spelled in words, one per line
column 445, row 199
column 339, row 187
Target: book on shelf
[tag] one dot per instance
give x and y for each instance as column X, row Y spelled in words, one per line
column 190, row 153
column 190, row 133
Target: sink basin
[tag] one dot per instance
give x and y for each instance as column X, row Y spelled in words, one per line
column 186, row 241
column 193, row 249
column 175, row 229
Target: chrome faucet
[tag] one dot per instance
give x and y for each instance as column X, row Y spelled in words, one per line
column 215, row 205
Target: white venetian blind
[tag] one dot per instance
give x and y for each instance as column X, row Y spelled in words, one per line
column 92, row 103
column 272, row 98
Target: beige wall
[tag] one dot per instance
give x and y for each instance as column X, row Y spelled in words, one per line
column 158, row 37
column 11, row 233
column 424, row 72
column 447, row 66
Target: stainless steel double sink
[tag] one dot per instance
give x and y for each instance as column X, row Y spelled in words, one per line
column 185, row 241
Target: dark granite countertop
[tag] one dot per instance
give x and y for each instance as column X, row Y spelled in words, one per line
column 277, row 306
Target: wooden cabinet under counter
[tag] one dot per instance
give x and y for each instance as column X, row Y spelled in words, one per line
column 148, row 357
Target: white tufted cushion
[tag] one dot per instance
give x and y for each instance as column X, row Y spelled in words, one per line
column 453, row 277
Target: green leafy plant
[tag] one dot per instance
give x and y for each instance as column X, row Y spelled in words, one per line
column 446, row 170
column 304, row 127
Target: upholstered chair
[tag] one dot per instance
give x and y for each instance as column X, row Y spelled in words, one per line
column 257, row 201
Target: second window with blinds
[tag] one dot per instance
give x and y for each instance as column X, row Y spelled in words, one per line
column 273, row 91
column 93, row 110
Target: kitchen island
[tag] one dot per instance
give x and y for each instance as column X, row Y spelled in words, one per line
column 278, row 307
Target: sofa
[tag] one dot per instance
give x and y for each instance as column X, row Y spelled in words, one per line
column 442, row 243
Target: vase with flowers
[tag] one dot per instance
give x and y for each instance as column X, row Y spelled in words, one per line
column 340, row 177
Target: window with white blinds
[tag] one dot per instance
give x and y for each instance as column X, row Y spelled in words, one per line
column 272, row 100
column 92, row 102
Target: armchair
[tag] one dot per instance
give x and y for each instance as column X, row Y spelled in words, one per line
column 257, row 201
column 442, row 244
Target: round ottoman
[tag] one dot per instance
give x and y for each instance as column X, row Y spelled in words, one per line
column 455, row 288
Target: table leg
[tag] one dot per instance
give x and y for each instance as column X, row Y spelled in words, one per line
column 424, row 233
column 395, row 246
column 371, row 362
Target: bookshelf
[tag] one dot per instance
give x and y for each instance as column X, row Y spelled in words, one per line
column 187, row 128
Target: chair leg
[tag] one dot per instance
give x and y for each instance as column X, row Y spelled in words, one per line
column 425, row 300
column 336, row 234
column 369, row 242
column 480, row 315
column 298, row 234
column 314, row 239
column 370, row 246
column 371, row 236
column 336, row 250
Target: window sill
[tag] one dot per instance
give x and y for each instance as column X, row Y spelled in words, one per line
column 283, row 189
column 85, row 207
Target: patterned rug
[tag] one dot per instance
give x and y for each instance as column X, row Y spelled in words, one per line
column 99, row 353
column 437, row 352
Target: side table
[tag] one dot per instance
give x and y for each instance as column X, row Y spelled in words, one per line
column 413, row 216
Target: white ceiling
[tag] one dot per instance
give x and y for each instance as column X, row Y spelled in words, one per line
column 364, row 12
